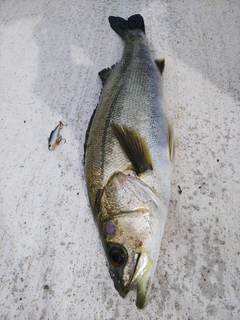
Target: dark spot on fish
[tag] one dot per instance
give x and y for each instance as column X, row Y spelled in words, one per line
column 217, row 160
column 200, row 187
column 24, row 121
column 179, row 190
column 110, row 228
column 46, row 287
column 20, row 298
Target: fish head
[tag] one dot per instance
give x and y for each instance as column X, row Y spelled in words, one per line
column 132, row 224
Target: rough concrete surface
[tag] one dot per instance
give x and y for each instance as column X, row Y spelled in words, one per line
column 52, row 265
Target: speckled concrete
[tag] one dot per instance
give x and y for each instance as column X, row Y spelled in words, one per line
column 52, row 265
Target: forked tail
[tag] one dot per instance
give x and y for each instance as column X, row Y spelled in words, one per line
column 120, row 25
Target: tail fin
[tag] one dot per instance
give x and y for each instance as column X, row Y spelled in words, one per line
column 119, row 25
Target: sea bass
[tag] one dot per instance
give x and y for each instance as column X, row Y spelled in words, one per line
column 128, row 151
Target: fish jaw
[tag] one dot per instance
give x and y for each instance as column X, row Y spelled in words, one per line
column 134, row 219
column 144, row 284
column 143, row 275
column 144, row 272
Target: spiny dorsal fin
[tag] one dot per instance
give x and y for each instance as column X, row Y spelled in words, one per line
column 160, row 64
column 134, row 146
column 105, row 73
column 171, row 141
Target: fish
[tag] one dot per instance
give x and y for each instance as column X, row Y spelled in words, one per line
column 55, row 138
column 129, row 148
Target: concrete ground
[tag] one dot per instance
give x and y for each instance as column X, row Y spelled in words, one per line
column 52, row 265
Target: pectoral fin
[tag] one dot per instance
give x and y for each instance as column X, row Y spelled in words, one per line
column 134, row 146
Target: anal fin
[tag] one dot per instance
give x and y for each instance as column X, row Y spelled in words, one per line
column 134, row 146
column 105, row 73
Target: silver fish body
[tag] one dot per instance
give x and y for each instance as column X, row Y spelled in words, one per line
column 128, row 154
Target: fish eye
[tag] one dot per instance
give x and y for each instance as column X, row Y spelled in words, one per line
column 117, row 256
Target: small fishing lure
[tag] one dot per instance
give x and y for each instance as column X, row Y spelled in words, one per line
column 55, row 138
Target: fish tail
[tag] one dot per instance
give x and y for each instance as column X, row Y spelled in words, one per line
column 120, row 25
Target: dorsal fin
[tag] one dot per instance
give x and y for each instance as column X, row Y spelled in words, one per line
column 134, row 146
column 160, row 63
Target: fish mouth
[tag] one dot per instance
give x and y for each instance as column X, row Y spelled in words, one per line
column 142, row 278
column 143, row 291
column 119, row 285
